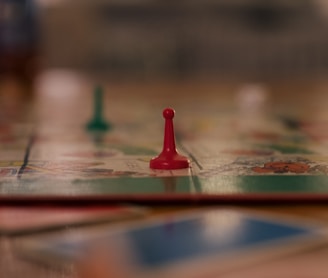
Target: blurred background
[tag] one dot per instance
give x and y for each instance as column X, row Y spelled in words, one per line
column 156, row 39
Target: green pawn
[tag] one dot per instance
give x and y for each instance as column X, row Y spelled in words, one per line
column 98, row 124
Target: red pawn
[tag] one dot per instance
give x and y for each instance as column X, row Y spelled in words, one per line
column 169, row 158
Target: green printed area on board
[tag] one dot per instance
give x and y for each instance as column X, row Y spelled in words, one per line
column 219, row 185
column 112, row 186
column 264, row 184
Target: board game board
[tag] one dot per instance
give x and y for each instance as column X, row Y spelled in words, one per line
column 242, row 146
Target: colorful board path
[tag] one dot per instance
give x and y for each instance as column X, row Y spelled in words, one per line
column 237, row 154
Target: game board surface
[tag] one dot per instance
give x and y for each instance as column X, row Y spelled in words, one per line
column 245, row 143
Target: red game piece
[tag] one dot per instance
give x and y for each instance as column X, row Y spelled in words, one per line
column 169, row 158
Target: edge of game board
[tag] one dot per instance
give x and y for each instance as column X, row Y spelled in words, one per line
column 225, row 199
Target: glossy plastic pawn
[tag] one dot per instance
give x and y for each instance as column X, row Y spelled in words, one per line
column 169, row 158
column 98, row 123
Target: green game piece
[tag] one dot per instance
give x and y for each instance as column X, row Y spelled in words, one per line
column 98, row 123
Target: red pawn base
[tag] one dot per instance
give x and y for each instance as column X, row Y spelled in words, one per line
column 169, row 162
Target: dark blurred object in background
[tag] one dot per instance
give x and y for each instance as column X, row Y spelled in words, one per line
column 151, row 39
column 155, row 39
column 18, row 39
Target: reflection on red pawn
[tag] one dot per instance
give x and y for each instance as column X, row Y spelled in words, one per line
column 169, row 158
